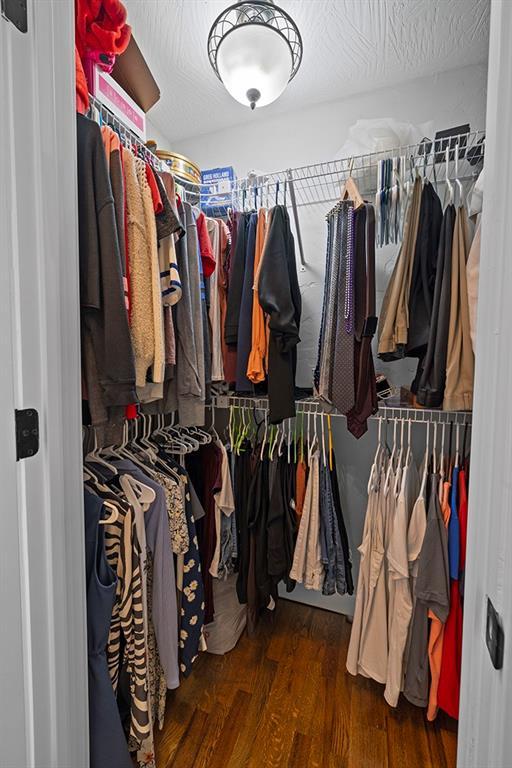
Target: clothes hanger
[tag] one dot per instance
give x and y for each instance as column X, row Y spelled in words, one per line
column 457, row 180
column 449, row 185
column 280, row 449
column 408, row 456
column 434, row 451
column 324, row 455
column 288, row 440
column 350, row 191
column 126, row 451
column 92, row 456
column 426, row 459
column 373, row 468
column 442, row 463
column 273, row 442
column 114, row 513
column 399, row 464
column 457, row 445
column 329, row 430
column 391, row 458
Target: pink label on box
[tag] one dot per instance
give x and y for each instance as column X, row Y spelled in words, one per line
column 122, row 105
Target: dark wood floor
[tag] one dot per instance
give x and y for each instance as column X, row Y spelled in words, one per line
column 284, row 699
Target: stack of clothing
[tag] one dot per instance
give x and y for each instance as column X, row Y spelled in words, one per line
column 425, row 312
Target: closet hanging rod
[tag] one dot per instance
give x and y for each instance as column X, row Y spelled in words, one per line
column 191, row 192
column 124, row 132
column 317, row 407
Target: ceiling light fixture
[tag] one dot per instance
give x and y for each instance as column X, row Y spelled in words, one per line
column 255, row 49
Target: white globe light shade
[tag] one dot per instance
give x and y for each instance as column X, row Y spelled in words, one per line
column 254, row 58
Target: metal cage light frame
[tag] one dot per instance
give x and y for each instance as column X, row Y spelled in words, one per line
column 258, row 13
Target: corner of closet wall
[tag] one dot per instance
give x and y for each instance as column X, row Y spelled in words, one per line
column 273, row 139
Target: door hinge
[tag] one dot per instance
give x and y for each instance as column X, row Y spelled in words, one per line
column 27, row 433
column 15, row 11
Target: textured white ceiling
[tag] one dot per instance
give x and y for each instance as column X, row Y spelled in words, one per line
column 350, row 46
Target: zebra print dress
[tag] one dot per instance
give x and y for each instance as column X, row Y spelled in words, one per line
column 123, row 554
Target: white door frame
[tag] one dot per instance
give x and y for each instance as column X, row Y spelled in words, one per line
column 485, row 732
column 43, row 650
column 43, row 653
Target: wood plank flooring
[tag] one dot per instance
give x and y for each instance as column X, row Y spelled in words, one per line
column 283, row 699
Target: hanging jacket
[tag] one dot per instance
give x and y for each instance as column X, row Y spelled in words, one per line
column 431, row 386
column 104, row 318
column 243, row 348
column 280, row 298
column 423, row 278
column 236, row 281
column 460, row 360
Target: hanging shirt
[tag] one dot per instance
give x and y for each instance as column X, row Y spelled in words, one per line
column 453, row 527
column 224, row 505
column 398, row 583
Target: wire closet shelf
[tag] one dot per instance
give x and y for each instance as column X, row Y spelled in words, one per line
column 322, row 182
column 318, row 407
column 193, row 193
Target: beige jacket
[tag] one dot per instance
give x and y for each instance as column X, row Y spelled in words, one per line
column 473, row 277
column 141, row 314
column 460, row 361
column 394, row 315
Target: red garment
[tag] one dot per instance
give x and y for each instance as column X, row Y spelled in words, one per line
column 100, row 26
column 82, row 90
column 448, row 696
column 158, row 206
column 205, row 246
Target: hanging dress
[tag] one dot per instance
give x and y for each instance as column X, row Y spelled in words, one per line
column 107, row 742
column 398, row 583
column 368, row 647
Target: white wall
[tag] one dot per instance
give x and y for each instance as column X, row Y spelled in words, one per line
column 152, row 133
column 315, row 134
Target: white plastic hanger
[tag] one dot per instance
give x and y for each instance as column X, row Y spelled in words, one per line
column 409, row 449
column 399, row 464
column 457, row 445
column 391, row 458
column 426, row 459
column 449, row 185
column 324, row 453
column 458, row 182
column 94, row 458
column 373, row 468
column 114, row 513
